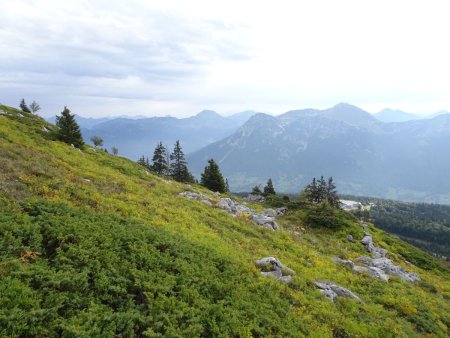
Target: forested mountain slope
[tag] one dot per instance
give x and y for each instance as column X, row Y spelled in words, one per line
column 422, row 224
column 92, row 245
column 402, row 161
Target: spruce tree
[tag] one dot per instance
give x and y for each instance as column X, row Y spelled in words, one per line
column 256, row 190
column 69, row 130
column 269, row 189
column 24, row 107
column 178, row 166
column 159, row 160
column 321, row 189
column 332, row 195
column 212, row 177
column 143, row 161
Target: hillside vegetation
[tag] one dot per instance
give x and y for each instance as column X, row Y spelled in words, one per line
column 93, row 245
column 422, row 224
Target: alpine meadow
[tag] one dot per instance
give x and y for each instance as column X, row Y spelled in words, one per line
column 224, row 169
column 95, row 245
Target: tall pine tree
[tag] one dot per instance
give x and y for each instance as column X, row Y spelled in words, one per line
column 269, row 189
column 159, row 160
column 178, row 165
column 332, row 195
column 212, row 177
column 68, row 129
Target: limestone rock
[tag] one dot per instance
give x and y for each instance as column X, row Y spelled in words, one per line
column 332, row 291
column 350, row 238
column 275, row 268
column 265, row 218
column 255, row 198
column 367, row 241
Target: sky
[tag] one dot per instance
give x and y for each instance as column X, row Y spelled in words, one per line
column 156, row 58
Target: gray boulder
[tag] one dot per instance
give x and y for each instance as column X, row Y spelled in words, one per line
column 367, row 241
column 389, row 268
column 255, row 198
column 332, row 291
column 274, row 268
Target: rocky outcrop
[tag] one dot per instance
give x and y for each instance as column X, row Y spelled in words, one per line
column 370, row 270
column 274, row 268
column 379, row 266
column 266, row 218
column 332, row 291
column 255, row 198
column 389, row 268
column 367, row 241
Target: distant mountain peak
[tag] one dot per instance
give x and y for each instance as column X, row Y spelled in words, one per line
column 208, row 113
column 394, row 115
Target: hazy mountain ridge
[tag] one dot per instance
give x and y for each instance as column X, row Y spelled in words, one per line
column 135, row 137
column 392, row 160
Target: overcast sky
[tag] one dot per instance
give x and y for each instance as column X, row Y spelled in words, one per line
column 178, row 57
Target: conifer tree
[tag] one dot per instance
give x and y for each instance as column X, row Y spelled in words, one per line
column 321, row 189
column 178, row 166
column 212, row 177
column 312, row 192
column 331, row 194
column 143, row 161
column 69, row 130
column 24, row 107
column 269, row 189
column 256, row 190
column 159, row 160
column 227, row 186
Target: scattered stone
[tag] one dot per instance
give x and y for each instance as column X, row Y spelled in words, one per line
column 2, row 112
column 275, row 268
column 281, row 211
column 379, row 266
column 45, row 130
column 372, row 272
column 375, row 251
column 269, row 213
column 364, row 225
column 332, row 291
column 265, row 221
column 255, row 198
column 348, row 263
column 265, row 218
column 389, row 268
column 350, row 238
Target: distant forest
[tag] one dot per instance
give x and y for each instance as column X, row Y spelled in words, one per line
column 421, row 224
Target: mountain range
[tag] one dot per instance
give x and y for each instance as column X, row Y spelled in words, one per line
column 137, row 136
column 402, row 160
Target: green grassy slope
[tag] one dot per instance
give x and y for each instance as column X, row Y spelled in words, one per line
column 91, row 245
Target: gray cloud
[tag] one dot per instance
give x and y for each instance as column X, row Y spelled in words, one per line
column 82, row 50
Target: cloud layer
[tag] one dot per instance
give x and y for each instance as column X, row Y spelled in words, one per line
column 174, row 57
